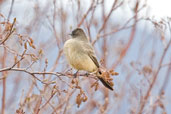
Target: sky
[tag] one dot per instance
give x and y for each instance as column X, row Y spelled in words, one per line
column 159, row 8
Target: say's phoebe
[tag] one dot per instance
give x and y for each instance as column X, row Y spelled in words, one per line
column 81, row 56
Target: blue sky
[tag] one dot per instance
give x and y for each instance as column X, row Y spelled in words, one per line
column 157, row 9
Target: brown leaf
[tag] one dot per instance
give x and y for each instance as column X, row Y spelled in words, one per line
column 78, row 100
column 25, row 45
column 34, row 47
column 31, row 40
column 85, row 98
column 15, row 59
column 40, row 52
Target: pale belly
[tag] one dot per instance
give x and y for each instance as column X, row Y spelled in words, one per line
column 77, row 58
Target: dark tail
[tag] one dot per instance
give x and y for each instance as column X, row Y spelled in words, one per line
column 104, row 82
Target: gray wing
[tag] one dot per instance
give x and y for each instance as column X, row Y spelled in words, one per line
column 90, row 52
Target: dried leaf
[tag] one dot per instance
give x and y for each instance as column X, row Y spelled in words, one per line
column 96, row 86
column 109, row 79
column 85, row 98
column 147, row 69
column 78, row 87
column 15, row 59
column 34, row 47
column 72, row 81
column 8, row 26
column 46, row 61
column 18, row 65
column 33, row 57
column 78, row 100
column 31, row 40
column 40, row 52
column 114, row 73
column 30, row 44
column 111, row 83
column 25, row 45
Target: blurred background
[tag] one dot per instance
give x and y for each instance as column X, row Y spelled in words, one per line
column 130, row 37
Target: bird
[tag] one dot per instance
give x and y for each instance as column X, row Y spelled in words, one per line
column 80, row 55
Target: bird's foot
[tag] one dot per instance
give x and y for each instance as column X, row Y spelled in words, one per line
column 87, row 74
column 75, row 74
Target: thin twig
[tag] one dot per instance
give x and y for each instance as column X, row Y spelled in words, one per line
column 154, row 78
column 10, row 32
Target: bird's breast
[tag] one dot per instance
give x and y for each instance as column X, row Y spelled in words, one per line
column 77, row 57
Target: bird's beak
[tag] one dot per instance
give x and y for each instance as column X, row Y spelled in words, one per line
column 70, row 34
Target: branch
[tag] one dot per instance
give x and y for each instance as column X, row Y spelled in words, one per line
column 58, row 74
column 155, row 77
